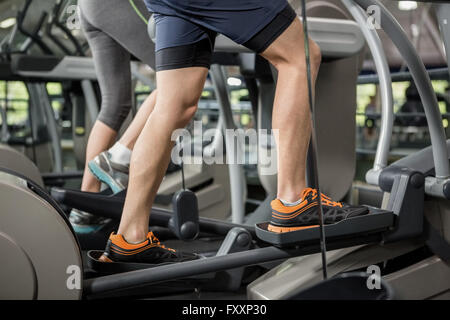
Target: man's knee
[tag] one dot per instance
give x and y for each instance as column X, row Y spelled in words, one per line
column 180, row 111
column 293, row 60
column 299, row 62
column 186, row 115
column 315, row 54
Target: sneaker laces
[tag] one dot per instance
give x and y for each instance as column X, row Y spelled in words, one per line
column 154, row 240
column 325, row 199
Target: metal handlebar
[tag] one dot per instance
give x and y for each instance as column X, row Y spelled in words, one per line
column 34, row 36
column 48, row 30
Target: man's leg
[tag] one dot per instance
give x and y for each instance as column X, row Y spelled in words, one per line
column 101, row 138
column 291, row 113
column 178, row 93
column 297, row 206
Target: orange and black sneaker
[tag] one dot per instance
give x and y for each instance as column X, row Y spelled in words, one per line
column 151, row 251
column 306, row 214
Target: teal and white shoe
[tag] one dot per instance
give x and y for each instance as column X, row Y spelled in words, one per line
column 83, row 222
column 113, row 174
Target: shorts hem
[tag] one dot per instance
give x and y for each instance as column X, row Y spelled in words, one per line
column 197, row 54
column 289, row 17
column 181, row 66
column 183, row 44
column 261, row 26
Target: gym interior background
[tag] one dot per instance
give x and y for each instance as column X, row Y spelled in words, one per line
column 417, row 19
column 47, row 118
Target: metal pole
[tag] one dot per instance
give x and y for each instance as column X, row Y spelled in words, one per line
column 52, row 128
column 4, row 115
column 434, row 74
column 184, row 269
column 90, row 98
column 236, row 171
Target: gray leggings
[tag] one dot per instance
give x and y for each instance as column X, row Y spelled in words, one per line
column 115, row 32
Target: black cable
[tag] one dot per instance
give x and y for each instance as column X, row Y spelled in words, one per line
column 182, row 166
column 182, row 175
column 314, row 143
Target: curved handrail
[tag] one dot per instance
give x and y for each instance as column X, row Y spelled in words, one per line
column 423, row 84
column 382, row 68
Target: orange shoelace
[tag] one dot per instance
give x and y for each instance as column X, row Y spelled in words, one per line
column 155, row 240
column 325, row 199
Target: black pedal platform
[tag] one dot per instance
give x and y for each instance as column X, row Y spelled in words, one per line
column 107, row 268
column 375, row 221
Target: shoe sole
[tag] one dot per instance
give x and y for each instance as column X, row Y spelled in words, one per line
column 277, row 229
column 105, row 259
column 104, row 177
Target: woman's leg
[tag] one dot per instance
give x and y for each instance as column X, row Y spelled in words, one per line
column 112, row 64
column 101, row 138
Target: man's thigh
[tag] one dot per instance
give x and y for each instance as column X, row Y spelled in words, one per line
column 180, row 87
column 183, row 57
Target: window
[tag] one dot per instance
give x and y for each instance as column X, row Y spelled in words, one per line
column 14, row 102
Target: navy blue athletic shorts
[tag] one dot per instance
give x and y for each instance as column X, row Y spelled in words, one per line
column 186, row 29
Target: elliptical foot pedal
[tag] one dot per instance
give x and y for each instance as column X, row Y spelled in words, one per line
column 106, row 268
column 375, row 221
